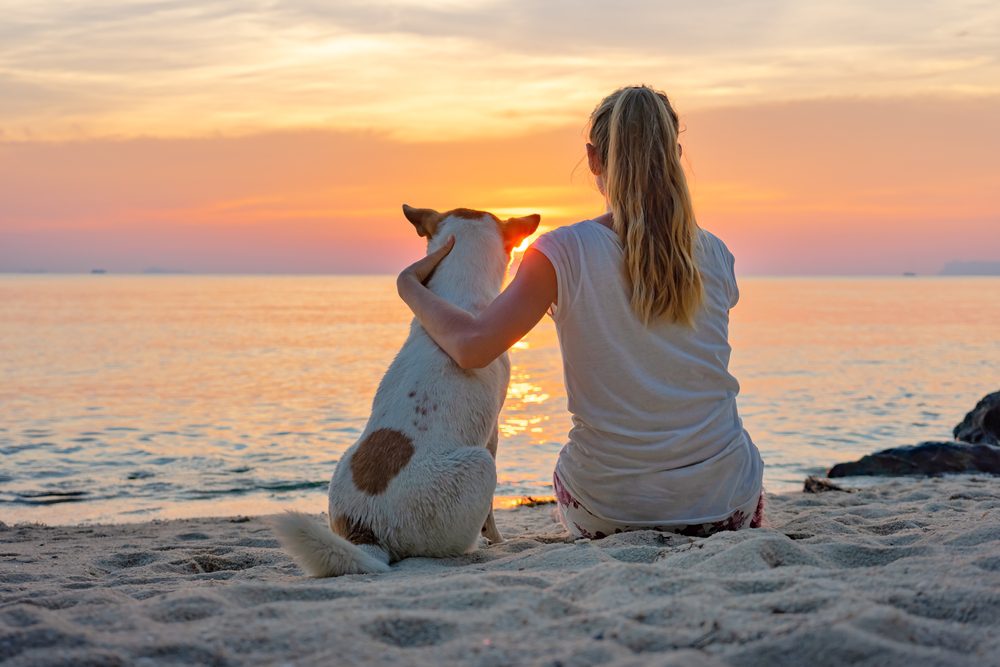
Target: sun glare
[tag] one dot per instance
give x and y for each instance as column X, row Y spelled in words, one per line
column 523, row 245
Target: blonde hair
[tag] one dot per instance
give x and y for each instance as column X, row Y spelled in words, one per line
column 635, row 131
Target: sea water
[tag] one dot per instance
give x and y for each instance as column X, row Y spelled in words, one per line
column 130, row 397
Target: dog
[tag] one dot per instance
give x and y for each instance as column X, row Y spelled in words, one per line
column 420, row 480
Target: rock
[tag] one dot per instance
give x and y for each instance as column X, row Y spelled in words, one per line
column 820, row 485
column 927, row 458
column 983, row 423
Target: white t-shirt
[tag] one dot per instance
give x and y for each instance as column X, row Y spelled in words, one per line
column 656, row 438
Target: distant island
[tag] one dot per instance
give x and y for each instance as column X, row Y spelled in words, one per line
column 958, row 268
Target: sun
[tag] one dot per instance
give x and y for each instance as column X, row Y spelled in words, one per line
column 526, row 242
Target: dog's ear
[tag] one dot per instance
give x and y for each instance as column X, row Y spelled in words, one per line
column 516, row 230
column 425, row 220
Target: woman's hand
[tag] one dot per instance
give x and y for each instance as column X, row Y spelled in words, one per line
column 423, row 268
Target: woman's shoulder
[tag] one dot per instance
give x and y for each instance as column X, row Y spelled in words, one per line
column 568, row 229
column 577, row 232
column 570, row 243
column 719, row 261
column 708, row 237
column 713, row 244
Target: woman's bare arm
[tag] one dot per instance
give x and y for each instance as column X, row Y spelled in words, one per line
column 475, row 341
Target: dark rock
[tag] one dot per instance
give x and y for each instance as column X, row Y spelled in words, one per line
column 820, row 485
column 927, row 458
column 983, row 423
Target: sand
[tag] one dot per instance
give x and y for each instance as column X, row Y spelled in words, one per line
column 903, row 573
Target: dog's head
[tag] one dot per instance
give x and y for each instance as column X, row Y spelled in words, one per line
column 429, row 223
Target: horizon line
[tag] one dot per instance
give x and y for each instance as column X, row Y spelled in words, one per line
column 108, row 272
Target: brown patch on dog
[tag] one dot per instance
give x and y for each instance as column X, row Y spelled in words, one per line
column 379, row 459
column 425, row 220
column 469, row 214
column 353, row 530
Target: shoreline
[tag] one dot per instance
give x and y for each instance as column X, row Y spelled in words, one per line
column 317, row 505
column 181, row 511
column 903, row 572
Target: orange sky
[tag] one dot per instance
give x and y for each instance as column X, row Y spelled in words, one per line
column 211, row 137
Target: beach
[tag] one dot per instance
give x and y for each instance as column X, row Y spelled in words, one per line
column 738, row 229
column 906, row 572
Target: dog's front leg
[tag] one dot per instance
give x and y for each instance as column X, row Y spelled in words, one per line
column 490, row 531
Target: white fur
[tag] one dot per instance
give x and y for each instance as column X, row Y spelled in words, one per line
column 439, row 502
column 321, row 552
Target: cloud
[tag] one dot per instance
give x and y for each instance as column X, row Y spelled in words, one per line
column 422, row 70
column 679, row 28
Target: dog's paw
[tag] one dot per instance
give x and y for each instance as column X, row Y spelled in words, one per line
column 491, row 536
column 490, row 531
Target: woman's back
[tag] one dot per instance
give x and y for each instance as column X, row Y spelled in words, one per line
column 657, row 439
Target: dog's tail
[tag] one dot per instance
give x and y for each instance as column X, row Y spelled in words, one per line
column 323, row 553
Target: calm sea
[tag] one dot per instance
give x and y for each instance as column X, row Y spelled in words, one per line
column 125, row 398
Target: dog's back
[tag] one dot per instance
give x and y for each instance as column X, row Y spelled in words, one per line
column 420, row 479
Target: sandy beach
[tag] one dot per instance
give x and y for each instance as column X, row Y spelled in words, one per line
column 903, row 573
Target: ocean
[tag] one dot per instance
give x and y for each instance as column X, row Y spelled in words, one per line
column 132, row 397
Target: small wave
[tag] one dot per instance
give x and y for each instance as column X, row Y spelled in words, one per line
column 46, row 474
column 293, row 486
column 251, row 488
column 48, row 497
column 16, row 449
column 141, row 510
column 39, row 494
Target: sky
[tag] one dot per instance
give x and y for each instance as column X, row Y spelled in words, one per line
column 249, row 136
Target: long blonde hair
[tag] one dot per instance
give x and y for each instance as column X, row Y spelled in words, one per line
column 635, row 132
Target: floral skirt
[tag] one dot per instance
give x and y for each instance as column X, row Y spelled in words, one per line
column 581, row 523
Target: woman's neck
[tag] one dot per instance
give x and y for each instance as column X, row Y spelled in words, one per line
column 605, row 219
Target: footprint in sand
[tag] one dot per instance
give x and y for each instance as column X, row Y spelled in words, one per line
column 409, row 632
column 185, row 609
column 183, row 654
column 128, row 559
column 186, row 537
column 235, row 561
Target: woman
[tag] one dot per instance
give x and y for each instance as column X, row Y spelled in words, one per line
column 640, row 297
